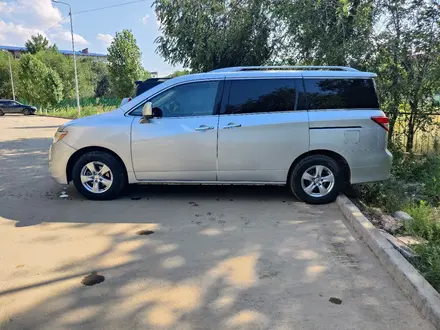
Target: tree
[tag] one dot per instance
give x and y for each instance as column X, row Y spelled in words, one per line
column 37, row 43
column 331, row 32
column 102, row 79
column 63, row 66
column 209, row 34
column 86, row 77
column 39, row 84
column 5, row 75
column 124, row 60
column 53, row 88
column 31, row 76
column 179, row 73
column 103, row 87
column 407, row 63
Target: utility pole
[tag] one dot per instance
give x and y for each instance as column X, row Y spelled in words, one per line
column 10, row 71
column 74, row 55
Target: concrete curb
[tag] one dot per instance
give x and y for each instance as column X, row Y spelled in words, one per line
column 414, row 286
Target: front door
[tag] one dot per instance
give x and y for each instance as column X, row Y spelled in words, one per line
column 262, row 130
column 180, row 143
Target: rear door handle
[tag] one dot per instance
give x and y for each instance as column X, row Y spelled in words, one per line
column 231, row 125
column 203, row 128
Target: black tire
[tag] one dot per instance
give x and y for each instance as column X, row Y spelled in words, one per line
column 1, row 113
column 295, row 179
column 117, row 171
column 26, row 112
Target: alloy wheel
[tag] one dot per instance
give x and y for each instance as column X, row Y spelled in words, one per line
column 96, row 177
column 317, row 181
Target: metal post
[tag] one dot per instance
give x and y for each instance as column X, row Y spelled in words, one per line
column 12, row 76
column 74, row 55
column 74, row 64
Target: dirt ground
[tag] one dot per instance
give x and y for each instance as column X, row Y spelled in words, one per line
column 219, row 257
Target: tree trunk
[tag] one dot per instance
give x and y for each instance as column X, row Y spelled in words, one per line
column 411, row 128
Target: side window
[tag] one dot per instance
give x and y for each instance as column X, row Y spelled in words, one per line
column 262, row 95
column 341, row 94
column 193, row 99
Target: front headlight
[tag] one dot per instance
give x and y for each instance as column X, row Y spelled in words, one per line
column 60, row 134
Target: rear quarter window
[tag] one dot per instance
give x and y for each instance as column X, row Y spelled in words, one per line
column 340, row 94
column 262, row 95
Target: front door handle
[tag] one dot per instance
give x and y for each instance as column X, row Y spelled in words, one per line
column 203, row 128
column 231, row 125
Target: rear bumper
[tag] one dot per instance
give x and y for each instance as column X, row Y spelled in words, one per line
column 59, row 155
column 376, row 167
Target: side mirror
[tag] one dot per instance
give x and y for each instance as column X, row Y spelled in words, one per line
column 147, row 110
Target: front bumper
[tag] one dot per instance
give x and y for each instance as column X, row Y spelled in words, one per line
column 59, row 155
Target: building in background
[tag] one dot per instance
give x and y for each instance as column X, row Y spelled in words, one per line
column 18, row 51
column 154, row 74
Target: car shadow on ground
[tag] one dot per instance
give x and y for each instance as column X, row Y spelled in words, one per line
column 217, row 257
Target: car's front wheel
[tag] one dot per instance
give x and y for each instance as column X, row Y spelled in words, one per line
column 1, row 112
column 98, row 175
column 316, row 179
column 26, row 112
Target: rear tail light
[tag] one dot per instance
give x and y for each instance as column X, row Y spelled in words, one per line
column 382, row 121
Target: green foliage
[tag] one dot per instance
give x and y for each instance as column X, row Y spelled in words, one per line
column 36, row 44
column 102, row 79
column 331, row 32
column 72, row 112
column 428, row 262
column 5, row 76
column 87, row 79
column 179, row 73
column 407, row 61
column 32, row 79
column 39, row 84
column 385, row 195
column 205, row 35
column 124, row 58
column 103, row 87
column 424, row 223
column 63, row 66
column 53, row 88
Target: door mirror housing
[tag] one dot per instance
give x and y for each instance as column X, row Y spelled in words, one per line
column 147, row 110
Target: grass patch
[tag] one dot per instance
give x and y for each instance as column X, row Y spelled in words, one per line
column 428, row 262
column 424, row 223
column 72, row 112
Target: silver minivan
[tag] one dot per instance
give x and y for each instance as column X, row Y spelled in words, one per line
column 313, row 129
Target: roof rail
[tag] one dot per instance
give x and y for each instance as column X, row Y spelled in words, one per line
column 284, row 67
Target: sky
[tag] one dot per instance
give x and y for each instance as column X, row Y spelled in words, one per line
column 19, row 19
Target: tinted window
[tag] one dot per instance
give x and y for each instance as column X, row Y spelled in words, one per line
column 196, row 99
column 262, row 95
column 341, row 94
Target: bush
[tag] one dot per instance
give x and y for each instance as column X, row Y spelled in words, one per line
column 424, row 223
column 385, row 195
column 428, row 262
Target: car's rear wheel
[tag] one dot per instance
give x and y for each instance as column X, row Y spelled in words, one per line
column 26, row 112
column 316, row 179
column 1, row 112
column 98, row 175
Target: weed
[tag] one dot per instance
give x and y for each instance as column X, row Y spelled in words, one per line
column 428, row 262
column 424, row 223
